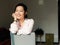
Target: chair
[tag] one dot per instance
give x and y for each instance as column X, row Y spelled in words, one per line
column 23, row 39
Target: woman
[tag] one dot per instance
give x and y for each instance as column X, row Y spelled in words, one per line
column 21, row 24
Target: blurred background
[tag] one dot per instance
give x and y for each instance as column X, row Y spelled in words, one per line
column 44, row 12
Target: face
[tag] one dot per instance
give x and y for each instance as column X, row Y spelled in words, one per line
column 20, row 13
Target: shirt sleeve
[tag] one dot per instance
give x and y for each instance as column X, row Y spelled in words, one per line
column 13, row 27
column 27, row 28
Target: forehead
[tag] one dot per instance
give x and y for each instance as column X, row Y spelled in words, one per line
column 19, row 7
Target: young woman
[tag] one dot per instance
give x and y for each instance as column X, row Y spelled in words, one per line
column 21, row 24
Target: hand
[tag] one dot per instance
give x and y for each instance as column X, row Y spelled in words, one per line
column 14, row 16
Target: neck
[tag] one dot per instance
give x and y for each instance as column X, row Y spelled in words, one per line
column 21, row 21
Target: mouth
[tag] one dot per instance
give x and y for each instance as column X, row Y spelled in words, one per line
column 18, row 15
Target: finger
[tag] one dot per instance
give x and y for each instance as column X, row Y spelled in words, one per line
column 16, row 13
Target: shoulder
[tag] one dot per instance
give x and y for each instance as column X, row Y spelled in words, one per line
column 30, row 20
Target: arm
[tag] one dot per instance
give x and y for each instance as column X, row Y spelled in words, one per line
column 27, row 28
column 13, row 27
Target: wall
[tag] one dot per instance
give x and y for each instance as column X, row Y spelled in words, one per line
column 45, row 15
column 6, row 8
column 4, row 13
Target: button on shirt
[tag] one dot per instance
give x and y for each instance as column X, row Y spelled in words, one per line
column 25, row 29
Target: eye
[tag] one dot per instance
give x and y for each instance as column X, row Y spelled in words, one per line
column 21, row 11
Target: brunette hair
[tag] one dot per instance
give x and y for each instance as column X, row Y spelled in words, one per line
column 23, row 5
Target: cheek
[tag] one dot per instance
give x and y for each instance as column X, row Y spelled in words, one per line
column 22, row 13
column 20, row 16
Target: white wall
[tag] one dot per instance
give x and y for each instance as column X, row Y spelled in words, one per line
column 50, row 18
column 45, row 16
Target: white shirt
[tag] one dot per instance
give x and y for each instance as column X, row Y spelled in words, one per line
column 25, row 29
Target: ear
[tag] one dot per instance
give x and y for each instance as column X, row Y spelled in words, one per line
column 26, row 13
